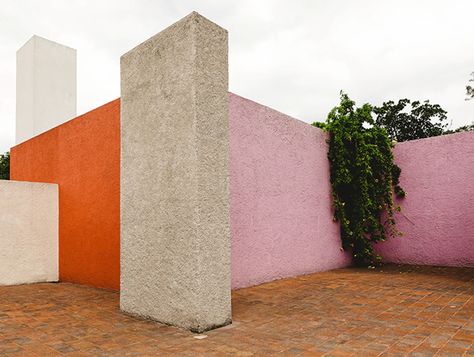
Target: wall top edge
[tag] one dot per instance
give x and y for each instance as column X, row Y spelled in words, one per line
column 288, row 117
column 192, row 17
column 440, row 138
column 38, row 38
column 69, row 121
column 28, row 183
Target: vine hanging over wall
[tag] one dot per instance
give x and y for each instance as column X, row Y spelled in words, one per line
column 363, row 178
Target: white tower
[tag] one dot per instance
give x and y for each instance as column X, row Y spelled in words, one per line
column 45, row 87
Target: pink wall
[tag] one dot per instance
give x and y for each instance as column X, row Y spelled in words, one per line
column 437, row 216
column 281, row 217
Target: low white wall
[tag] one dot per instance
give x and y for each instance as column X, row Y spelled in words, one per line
column 28, row 232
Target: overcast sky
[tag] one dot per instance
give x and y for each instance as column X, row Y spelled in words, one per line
column 294, row 56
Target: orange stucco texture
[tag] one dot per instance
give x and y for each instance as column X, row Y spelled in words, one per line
column 83, row 157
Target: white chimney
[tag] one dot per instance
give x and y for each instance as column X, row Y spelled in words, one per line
column 45, row 87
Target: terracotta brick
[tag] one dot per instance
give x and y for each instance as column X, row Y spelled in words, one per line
column 399, row 311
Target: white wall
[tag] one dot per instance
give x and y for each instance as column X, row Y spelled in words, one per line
column 28, row 232
column 45, row 87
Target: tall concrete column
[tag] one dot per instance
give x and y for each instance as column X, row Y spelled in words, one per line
column 45, row 87
column 174, row 195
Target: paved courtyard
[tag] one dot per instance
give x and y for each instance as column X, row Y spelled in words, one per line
column 390, row 311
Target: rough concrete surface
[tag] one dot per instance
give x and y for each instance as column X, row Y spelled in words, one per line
column 175, row 235
column 45, row 87
column 29, row 232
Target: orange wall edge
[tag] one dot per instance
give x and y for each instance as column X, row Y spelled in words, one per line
column 83, row 157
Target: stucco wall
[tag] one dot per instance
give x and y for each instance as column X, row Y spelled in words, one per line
column 281, row 218
column 29, row 232
column 83, row 157
column 437, row 217
column 280, row 205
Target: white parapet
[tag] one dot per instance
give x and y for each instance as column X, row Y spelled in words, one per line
column 29, row 232
column 45, row 87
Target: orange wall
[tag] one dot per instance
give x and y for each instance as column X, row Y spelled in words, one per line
column 83, row 157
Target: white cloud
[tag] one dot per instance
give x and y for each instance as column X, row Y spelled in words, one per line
column 294, row 56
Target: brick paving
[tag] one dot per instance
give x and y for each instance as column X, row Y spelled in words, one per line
column 392, row 311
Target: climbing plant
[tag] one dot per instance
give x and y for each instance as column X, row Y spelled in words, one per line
column 363, row 178
column 5, row 166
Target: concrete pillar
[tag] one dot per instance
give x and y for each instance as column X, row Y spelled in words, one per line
column 174, row 195
column 45, row 87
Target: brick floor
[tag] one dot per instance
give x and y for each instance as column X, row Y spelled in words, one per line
column 391, row 311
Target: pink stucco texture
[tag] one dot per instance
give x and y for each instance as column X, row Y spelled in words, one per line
column 437, row 218
column 280, row 212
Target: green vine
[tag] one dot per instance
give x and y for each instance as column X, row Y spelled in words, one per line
column 363, row 178
column 5, row 166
